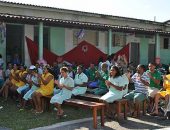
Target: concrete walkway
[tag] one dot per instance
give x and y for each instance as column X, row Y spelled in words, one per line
column 145, row 122
column 3, row 128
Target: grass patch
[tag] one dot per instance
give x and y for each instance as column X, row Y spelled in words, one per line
column 11, row 117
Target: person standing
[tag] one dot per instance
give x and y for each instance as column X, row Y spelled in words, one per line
column 16, row 59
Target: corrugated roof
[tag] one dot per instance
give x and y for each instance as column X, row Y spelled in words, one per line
column 103, row 15
column 77, row 23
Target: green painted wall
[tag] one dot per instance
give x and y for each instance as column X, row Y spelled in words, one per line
column 57, row 40
column 165, row 53
column 3, row 50
column 115, row 49
column 144, row 50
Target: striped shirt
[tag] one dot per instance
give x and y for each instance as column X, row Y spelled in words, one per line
column 140, row 87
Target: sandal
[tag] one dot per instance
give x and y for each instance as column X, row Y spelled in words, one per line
column 39, row 112
column 134, row 114
column 61, row 116
column 154, row 114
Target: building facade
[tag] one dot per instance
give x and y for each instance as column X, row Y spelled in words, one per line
column 58, row 30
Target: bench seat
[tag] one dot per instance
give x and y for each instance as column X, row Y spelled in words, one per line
column 118, row 103
column 90, row 105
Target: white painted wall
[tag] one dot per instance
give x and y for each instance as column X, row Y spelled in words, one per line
column 132, row 38
column 29, row 32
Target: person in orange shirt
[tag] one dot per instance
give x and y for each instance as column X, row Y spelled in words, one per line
column 46, row 89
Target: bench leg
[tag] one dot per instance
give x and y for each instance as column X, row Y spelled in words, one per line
column 95, row 118
column 138, row 110
column 43, row 103
column 118, row 110
column 102, row 116
column 125, row 111
column 144, row 107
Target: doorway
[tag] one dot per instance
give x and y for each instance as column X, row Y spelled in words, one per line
column 14, row 42
column 134, row 53
column 151, row 53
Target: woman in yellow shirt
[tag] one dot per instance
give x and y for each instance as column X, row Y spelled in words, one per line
column 162, row 94
column 9, row 82
column 46, row 88
column 20, row 78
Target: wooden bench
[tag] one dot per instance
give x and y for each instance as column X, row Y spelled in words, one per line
column 118, row 103
column 46, row 102
column 89, row 97
column 95, row 106
column 144, row 106
column 91, row 105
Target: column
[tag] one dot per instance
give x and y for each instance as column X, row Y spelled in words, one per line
column 157, row 47
column 110, row 42
column 40, row 47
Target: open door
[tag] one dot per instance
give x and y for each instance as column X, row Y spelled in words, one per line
column 151, row 53
column 14, row 42
column 134, row 53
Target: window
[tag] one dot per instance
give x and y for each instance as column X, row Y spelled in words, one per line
column 90, row 36
column 166, row 43
column 46, row 36
column 119, row 39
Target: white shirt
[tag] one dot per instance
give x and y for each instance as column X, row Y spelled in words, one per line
column 80, row 78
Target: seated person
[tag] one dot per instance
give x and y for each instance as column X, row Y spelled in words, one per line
column 33, row 83
column 122, row 63
column 91, row 73
column 21, row 79
column 162, row 94
column 125, row 83
column 154, row 86
column 80, row 82
column 141, row 83
column 66, row 84
column 21, row 85
column 115, row 90
column 10, row 82
column 46, row 88
column 102, row 77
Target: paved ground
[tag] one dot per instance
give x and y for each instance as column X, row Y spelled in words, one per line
column 2, row 128
column 144, row 123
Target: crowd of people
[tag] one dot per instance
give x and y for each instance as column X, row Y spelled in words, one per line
column 109, row 79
